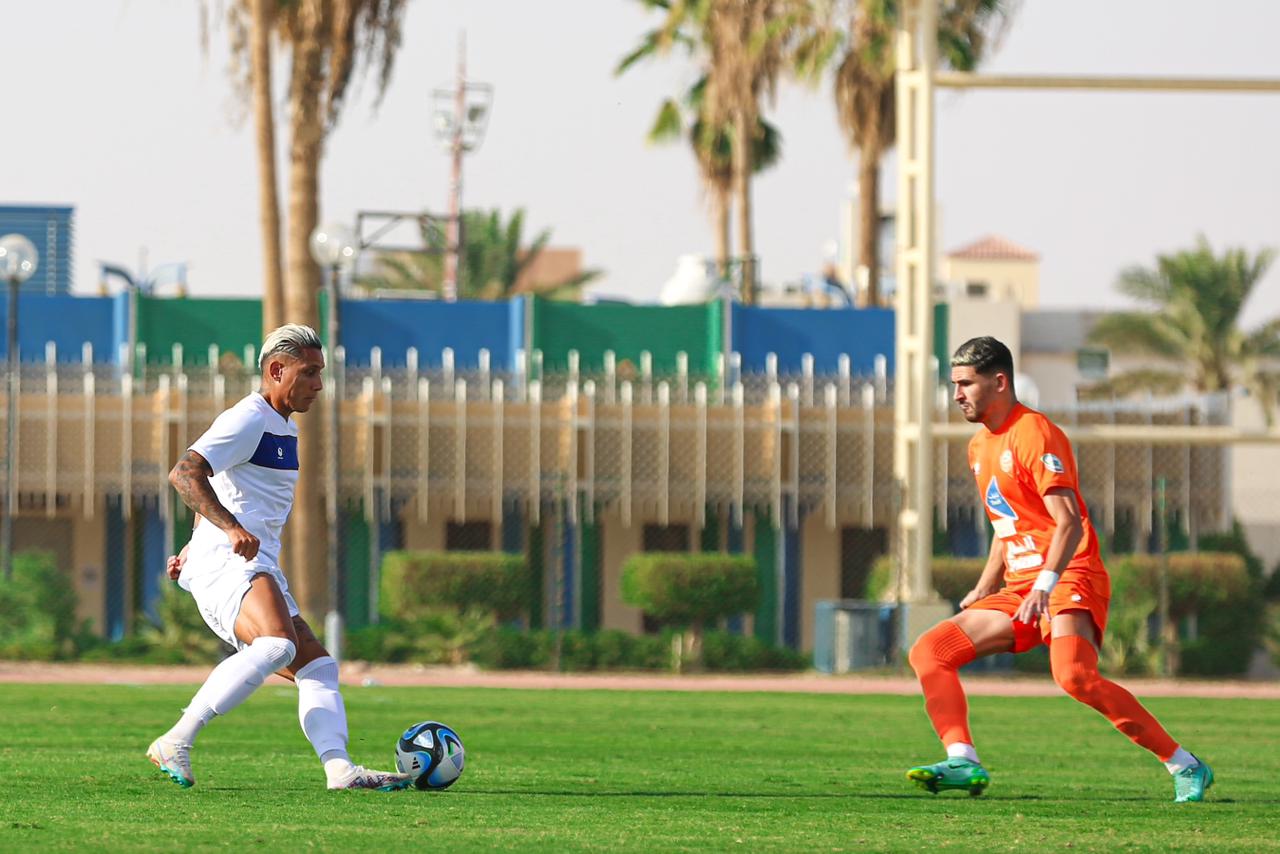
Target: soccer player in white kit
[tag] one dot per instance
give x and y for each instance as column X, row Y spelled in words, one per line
column 239, row 478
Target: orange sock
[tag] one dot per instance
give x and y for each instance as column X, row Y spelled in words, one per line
column 936, row 657
column 1075, row 669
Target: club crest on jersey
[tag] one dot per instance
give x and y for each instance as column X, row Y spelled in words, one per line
column 1052, row 463
column 977, row 468
column 1006, row 462
column 996, row 501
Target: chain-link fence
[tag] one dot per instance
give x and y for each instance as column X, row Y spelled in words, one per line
column 576, row 473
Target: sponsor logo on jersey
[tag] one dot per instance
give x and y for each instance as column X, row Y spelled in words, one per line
column 1052, row 463
column 276, row 452
column 996, row 501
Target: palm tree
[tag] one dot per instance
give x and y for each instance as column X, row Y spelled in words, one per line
column 751, row 44
column 251, row 23
column 1196, row 299
column 865, row 96
column 326, row 40
column 686, row 117
column 743, row 46
column 495, row 260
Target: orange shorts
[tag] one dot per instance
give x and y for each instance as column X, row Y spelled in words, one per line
column 1077, row 590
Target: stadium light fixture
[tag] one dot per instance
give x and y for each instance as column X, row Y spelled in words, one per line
column 18, row 260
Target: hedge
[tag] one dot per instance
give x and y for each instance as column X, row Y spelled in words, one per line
column 1218, row 588
column 690, row 588
column 417, row 584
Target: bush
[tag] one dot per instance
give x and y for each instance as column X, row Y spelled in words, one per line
column 437, row 636
column 416, row 584
column 38, row 611
column 509, row 648
column 1217, row 588
column 953, row 577
column 690, row 589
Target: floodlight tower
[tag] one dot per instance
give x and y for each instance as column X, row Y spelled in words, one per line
column 459, row 129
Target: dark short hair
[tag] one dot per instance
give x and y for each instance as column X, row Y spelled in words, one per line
column 985, row 355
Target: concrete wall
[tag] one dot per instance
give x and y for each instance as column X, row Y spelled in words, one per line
column 620, row 542
column 821, row 571
column 88, row 550
column 1254, row 490
column 970, row 318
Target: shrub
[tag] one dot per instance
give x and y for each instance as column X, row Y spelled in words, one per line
column 1216, row 587
column 179, row 631
column 509, row 648
column 436, row 636
column 38, row 611
column 690, row 589
column 953, row 577
column 416, row 584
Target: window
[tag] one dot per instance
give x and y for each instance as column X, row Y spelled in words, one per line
column 666, row 538
column 976, row 289
column 1093, row 363
column 468, row 536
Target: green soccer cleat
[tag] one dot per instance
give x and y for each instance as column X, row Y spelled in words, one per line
column 1190, row 784
column 959, row 774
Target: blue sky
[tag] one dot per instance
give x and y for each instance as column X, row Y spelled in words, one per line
column 111, row 106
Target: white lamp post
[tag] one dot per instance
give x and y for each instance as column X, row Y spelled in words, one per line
column 334, row 248
column 18, row 260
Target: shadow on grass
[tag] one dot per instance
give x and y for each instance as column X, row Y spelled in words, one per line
column 893, row 796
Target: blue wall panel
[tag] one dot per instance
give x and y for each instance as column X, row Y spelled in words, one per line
column 395, row 326
column 67, row 320
column 826, row 333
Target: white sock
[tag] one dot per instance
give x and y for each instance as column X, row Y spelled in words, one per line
column 192, row 721
column 1180, row 761
column 231, row 683
column 960, row 750
column 323, row 715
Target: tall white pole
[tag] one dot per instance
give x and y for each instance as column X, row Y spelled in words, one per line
column 915, row 381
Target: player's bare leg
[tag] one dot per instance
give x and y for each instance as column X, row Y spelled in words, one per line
column 323, row 716
column 1073, row 655
column 265, row 629
column 937, row 657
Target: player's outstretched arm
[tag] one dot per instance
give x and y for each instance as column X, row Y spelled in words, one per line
column 190, row 477
column 1067, row 532
column 989, row 581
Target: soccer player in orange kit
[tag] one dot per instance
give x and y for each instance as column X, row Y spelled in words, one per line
column 1055, row 588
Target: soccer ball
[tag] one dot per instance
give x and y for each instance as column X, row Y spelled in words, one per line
column 431, row 753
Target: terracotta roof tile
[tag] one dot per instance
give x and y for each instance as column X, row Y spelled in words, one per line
column 993, row 248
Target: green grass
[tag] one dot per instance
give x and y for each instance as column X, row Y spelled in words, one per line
column 575, row 770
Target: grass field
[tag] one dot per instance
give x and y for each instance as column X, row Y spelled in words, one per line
column 576, row 770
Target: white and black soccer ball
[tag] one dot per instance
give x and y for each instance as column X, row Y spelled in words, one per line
column 432, row 754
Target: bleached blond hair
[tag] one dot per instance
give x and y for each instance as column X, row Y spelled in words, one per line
column 292, row 338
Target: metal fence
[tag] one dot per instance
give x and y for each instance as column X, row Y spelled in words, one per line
column 797, row 470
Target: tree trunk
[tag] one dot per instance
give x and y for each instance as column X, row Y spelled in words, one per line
column 721, row 214
column 869, row 216
column 268, row 192
column 307, row 532
column 742, row 188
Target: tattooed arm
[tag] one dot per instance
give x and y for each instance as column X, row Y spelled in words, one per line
column 190, row 477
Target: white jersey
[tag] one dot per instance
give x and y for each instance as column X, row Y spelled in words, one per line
column 253, row 451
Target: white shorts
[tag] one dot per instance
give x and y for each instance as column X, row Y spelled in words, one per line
column 219, row 578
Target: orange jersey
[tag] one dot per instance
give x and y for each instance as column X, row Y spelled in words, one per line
column 1015, row 466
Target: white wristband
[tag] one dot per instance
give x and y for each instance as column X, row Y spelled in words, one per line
column 1045, row 581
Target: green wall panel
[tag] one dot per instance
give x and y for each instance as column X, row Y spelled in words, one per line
column 197, row 323
column 766, row 555
column 559, row 327
column 354, row 562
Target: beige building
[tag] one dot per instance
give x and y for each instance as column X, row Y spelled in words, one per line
column 995, row 269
